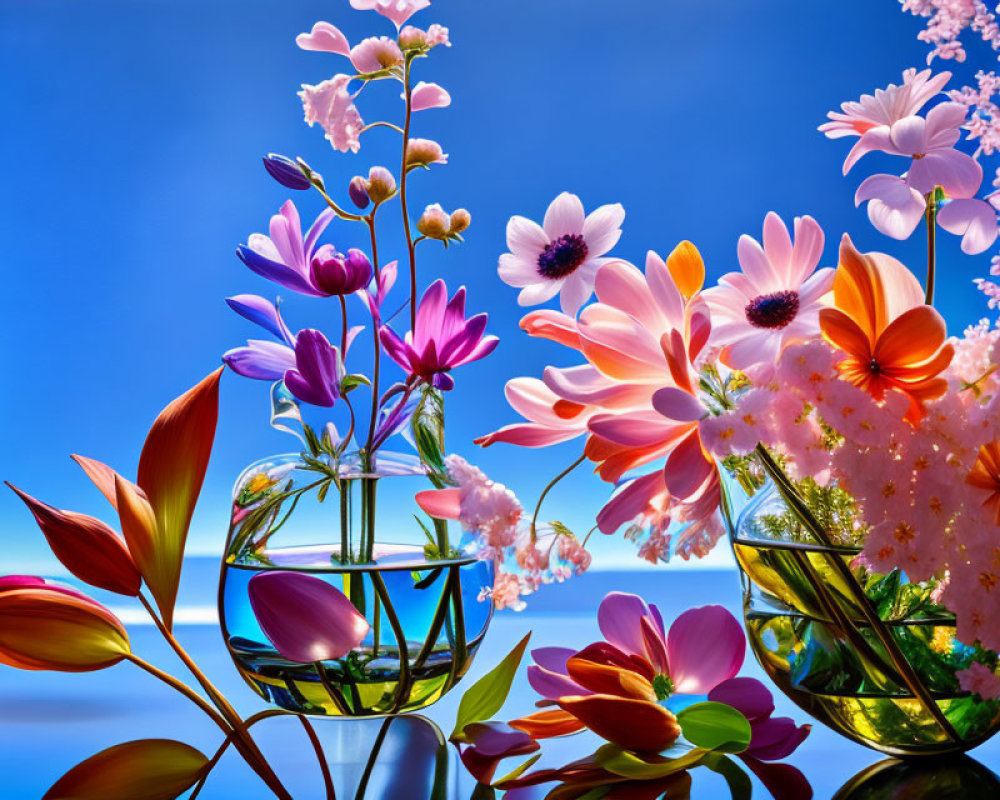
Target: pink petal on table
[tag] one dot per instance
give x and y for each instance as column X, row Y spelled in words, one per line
column 747, row 695
column 972, row 219
column 705, row 646
column 440, row 503
column 776, row 738
column 305, row 618
column 620, row 619
column 325, row 38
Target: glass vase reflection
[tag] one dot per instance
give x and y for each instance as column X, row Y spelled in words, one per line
column 427, row 604
column 871, row 656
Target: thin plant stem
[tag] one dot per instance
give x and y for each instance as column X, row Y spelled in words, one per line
column 798, row 506
column 246, row 745
column 370, row 765
column 375, row 333
column 250, row 721
column 381, row 124
column 548, row 488
column 407, row 95
column 184, row 689
column 331, row 793
column 403, row 688
column 587, row 537
column 337, row 209
column 436, row 624
column 343, row 327
column 931, row 217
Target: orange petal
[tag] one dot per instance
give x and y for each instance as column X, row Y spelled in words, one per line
column 913, row 337
column 171, row 470
column 547, row 724
column 686, row 268
column 138, row 521
column 101, row 474
column 633, row 724
column 844, row 333
column 554, row 325
column 606, row 679
column 86, row 546
column 925, row 369
column 857, row 290
column 149, row 769
column 48, row 628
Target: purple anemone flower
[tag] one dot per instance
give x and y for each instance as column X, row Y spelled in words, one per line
column 285, row 256
column 318, row 370
column 334, row 273
column 442, row 338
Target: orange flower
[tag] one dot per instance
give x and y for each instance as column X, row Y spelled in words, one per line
column 47, row 626
column 892, row 340
column 620, row 703
column 985, row 474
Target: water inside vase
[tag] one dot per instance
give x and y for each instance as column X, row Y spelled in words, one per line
column 438, row 609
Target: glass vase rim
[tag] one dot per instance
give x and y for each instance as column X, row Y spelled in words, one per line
column 388, row 464
column 416, row 564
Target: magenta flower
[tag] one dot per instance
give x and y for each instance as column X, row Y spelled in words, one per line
column 775, row 301
column 562, row 255
column 284, row 257
column 399, row 11
column 442, row 338
column 331, row 105
column 305, row 618
column 334, row 273
column 704, row 648
column 318, row 370
column 383, row 283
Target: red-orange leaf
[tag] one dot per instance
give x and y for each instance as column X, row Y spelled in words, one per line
column 171, row 470
column 148, row 769
column 87, row 547
column 101, row 474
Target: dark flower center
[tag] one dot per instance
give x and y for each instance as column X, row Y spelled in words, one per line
column 562, row 256
column 774, row 310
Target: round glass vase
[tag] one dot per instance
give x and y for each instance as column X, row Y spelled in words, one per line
column 870, row 656
column 425, row 601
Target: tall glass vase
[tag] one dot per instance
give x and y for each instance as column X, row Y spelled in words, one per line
column 354, row 524
column 873, row 657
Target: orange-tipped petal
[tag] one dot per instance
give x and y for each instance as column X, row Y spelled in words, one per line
column 633, row 724
column 139, row 527
column 547, row 724
column 552, row 325
column 604, row 679
column 149, row 769
column 913, row 337
column 86, row 546
column 46, row 627
column 171, row 470
column 102, row 476
column 858, row 292
column 844, row 333
column 687, row 268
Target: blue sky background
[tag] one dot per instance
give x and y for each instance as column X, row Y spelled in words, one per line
column 132, row 138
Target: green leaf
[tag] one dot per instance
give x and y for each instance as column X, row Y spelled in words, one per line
column 740, row 786
column 427, row 425
column 519, row 770
column 483, row 791
column 487, row 695
column 715, row 726
column 629, row 765
column 559, row 529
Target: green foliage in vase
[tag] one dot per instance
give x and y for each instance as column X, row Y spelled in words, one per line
column 835, row 509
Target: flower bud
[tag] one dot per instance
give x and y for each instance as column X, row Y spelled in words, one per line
column 358, row 192
column 423, row 153
column 434, row 223
column 380, row 184
column 336, row 274
column 286, row 172
column 460, row 221
column 412, row 38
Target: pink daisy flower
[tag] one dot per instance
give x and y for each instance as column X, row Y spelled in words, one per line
column 775, row 301
column 562, row 255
